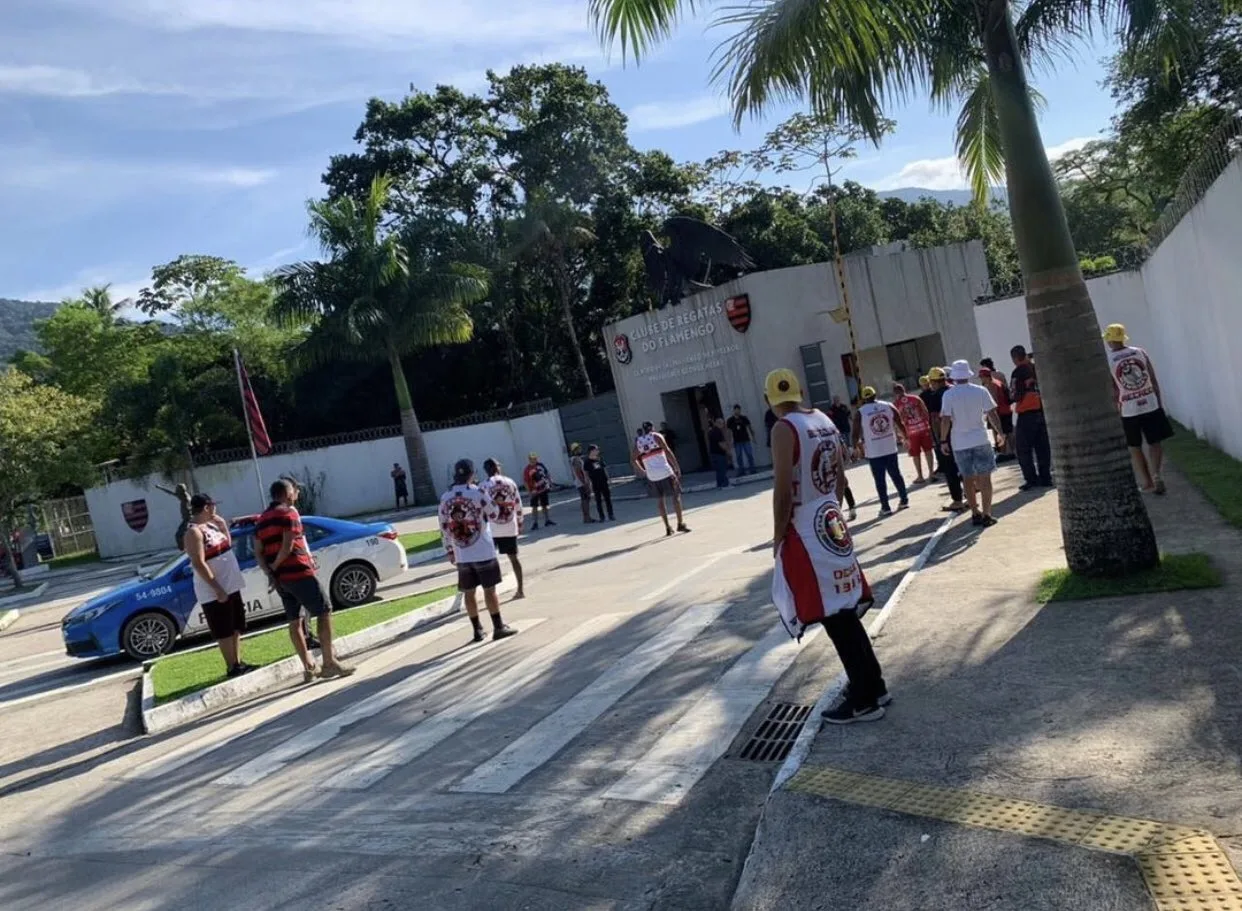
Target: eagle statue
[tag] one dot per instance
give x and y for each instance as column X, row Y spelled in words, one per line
column 685, row 265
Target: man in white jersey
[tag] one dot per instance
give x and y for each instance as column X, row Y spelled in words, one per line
column 653, row 460
column 817, row 578
column 1138, row 400
column 877, row 427
column 465, row 513
column 965, row 412
column 505, row 528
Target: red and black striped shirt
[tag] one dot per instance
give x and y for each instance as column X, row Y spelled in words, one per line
column 270, row 533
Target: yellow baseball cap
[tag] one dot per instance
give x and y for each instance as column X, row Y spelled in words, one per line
column 1116, row 332
column 534, row 457
column 868, row 392
column 924, row 379
column 782, row 386
column 936, row 373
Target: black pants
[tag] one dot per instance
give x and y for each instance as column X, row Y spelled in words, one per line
column 848, row 496
column 887, row 466
column 1034, row 450
column 603, row 498
column 853, row 646
column 947, row 465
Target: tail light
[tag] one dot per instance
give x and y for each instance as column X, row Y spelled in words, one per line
column 390, row 534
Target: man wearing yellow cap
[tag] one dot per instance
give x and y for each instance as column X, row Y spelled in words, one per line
column 878, row 427
column 817, row 578
column 1138, row 400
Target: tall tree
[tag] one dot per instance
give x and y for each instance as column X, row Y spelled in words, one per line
column 848, row 59
column 379, row 296
column 99, row 299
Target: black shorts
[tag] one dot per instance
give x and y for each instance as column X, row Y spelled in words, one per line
column 1152, row 427
column 1006, row 422
column 296, row 594
column 224, row 618
column 665, row 487
column 539, row 499
column 471, row 575
column 506, row 546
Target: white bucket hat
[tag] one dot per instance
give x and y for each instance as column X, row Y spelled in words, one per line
column 960, row 370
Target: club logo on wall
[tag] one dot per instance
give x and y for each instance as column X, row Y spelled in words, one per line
column 621, row 345
column 135, row 513
column 738, row 311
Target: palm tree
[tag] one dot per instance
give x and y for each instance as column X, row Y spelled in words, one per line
column 378, row 296
column 849, row 59
column 99, row 299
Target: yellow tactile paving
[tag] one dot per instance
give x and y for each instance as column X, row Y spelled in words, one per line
column 1183, row 867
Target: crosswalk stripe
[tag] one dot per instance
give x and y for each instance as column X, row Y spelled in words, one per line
column 421, row 737
column 689, row 748
column 316, row 736
column 553, row 733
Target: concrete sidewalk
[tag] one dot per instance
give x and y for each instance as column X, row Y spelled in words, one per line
column 1125, row 706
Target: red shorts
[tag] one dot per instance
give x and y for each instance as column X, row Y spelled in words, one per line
column 920, row 441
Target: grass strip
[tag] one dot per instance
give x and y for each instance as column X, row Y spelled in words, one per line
column 81, row 558
column 188, row 672
column 415, row 542
column 1175, row 573
column 1216, row 474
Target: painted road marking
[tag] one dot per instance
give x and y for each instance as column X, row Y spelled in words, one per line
column 684, row 577
column 553, row 733
column 429, row 732
column 316, row 736
column 685, row 752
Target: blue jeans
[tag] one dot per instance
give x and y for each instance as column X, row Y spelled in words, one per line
column 887, row 465
column 744, row 455
column 720, row 463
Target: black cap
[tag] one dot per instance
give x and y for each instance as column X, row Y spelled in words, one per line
column 648, row 426
column 200, row 501
column 463, row 471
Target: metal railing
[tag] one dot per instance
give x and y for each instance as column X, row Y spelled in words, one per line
column 1224, row 146
column 1124, row 260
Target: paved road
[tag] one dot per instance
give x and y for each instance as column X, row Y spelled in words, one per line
column 591, row 762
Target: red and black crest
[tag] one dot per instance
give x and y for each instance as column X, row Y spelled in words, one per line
column 135, row 513
column 738, row 311
column 621, row 347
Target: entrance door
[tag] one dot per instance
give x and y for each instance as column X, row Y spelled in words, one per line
column 689, row 413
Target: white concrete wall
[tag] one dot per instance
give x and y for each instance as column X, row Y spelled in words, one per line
column 356, row 477
column 1184, row 306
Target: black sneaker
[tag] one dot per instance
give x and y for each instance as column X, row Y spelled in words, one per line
column 988, row 522
column 683, row 528
column 885, row 512
column 668, row 531
column 1029, row 485
column 904, row 504
column 885, row 698
column 548, row 522
column 976, row 519
column 503, row 632
column 479, row 635
column 241, row 668
column 848, row 713
column 534, row 526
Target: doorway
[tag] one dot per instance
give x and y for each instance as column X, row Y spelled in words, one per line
column 688, row 413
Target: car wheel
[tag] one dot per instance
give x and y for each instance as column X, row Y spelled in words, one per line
column 353, row 584
column 148, row 635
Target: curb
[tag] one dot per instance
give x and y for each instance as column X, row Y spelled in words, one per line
column 424, row 557
column 159, row 718
column 9, row 617
column 35, row 592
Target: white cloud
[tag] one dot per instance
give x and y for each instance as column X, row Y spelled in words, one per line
column 124, row 286
column 39, row 169
column 669, row 115
column 946, row 173
column 52, row 81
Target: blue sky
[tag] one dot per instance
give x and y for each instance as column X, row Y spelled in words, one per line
column 132, row 131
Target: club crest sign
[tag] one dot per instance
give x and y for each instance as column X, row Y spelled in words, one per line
column 621, row 348
column 737, row 309
column 135, row 513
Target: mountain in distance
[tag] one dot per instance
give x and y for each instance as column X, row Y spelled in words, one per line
column 17, row 319
column 953, row 197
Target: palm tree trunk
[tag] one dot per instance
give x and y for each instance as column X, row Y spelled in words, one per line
column 415, row 448
column 566, row 301
column 1104, row 523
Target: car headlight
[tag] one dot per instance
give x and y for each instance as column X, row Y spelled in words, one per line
column 91, row 613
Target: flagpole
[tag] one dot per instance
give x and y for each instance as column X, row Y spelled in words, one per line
column 254, row 456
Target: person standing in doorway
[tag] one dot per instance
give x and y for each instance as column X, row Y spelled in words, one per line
column 670, row 436
column 945, row 464
column 399, row 486
column 466, row 514
column 719, row 451
column 1031, row 431
column 283, row 554
column 1138, row 400
column 965, row 413
column 743, row 442
column 917, row 421
column 817, row 578
column 597, row 471
column 581, row 481
column 507, row 524
column 877, row 426
column 653, row 460
column 994, row 383
column 538, row 481
column 839, row 414
column 218, row 581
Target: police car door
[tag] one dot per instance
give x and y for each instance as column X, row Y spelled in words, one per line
column 259, row 601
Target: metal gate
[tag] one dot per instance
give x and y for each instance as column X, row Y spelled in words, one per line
column 598, row 421
column 68, row 523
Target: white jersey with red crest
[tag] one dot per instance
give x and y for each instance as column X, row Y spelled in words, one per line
column 817, row 574
column 1135, row 388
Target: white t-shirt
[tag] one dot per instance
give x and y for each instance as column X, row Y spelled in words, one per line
column 221, row 560
column 465, row 511
column 652, row 457
column 879, row 429
column 1132, row 374
column 968, row 406
column 504, row 494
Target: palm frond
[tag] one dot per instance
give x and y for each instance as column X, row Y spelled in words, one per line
column 978, row 137
column 638, row 24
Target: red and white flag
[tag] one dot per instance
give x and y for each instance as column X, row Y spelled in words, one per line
column 254, row 417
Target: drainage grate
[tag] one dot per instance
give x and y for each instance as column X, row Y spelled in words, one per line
column 774, row 738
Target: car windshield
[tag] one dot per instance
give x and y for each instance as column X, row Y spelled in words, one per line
column 165, row 567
